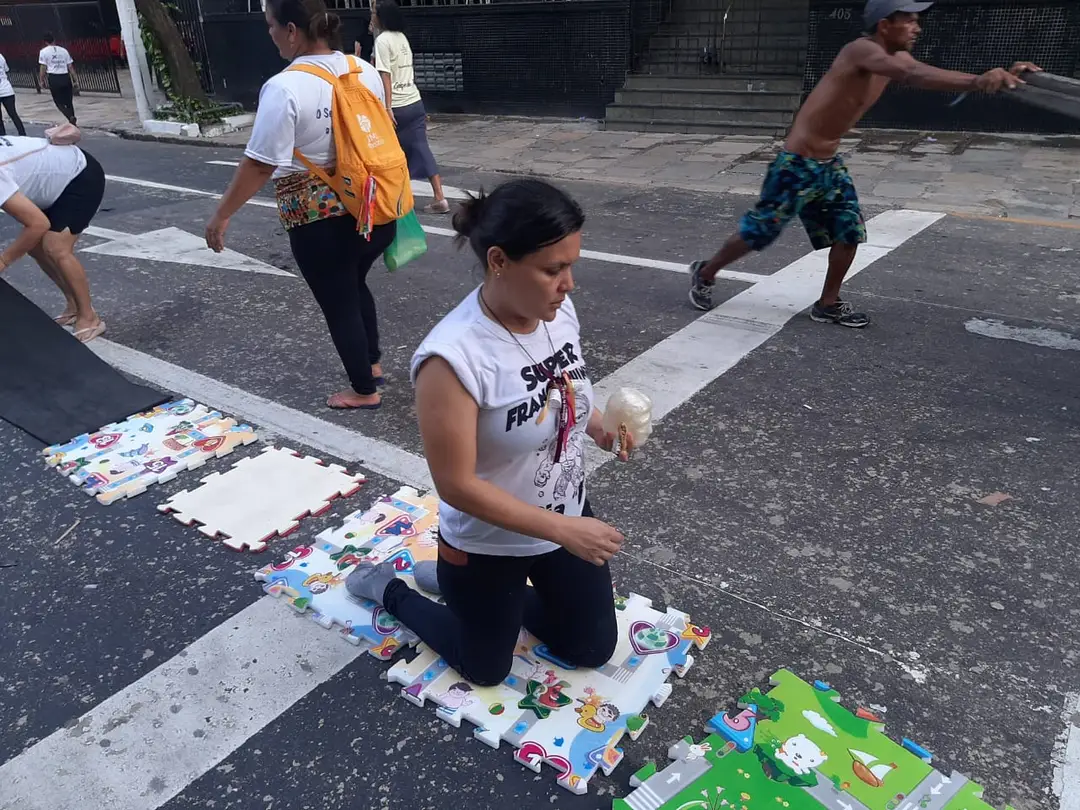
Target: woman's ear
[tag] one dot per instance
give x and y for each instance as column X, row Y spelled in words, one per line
column 497, row 259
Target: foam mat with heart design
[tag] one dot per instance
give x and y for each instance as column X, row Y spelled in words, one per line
column 572, row 719
column 400, row 529
column 121, row 460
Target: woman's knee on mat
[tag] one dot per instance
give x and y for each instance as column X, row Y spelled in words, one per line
column 484, row 668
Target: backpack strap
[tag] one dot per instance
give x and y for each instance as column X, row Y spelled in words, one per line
column 326, row 75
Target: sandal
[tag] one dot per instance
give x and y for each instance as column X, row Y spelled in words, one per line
column 437, row 207
column 65, row 319
column 88, row 333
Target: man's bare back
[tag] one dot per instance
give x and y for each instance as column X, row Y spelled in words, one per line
column 836, row 104
column 857, row 78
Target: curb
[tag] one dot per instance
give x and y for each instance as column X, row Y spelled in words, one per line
column 133, row 135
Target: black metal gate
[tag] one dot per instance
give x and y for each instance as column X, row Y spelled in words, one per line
column 79, row 27
column 187, row 14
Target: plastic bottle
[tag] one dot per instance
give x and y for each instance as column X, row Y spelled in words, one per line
column 628, row 416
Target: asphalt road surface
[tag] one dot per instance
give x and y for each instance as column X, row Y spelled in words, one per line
column 811, row 493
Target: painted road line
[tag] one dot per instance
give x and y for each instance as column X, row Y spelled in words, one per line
column 178, row 247
column 1066, row 758
column 152, row 754
column 145, row 744
column 1034, row 335
column 680, row 366
column 615, row 258
column 297, row 426
column 420, row 188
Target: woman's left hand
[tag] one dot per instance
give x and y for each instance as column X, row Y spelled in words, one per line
column 606, row 441
column 215, row 233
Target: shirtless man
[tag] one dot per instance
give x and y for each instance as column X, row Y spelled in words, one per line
column 809, row 180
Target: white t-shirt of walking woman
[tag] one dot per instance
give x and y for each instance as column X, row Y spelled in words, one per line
column 5, row 83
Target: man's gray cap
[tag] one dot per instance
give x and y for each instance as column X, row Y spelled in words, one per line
column 878, row 10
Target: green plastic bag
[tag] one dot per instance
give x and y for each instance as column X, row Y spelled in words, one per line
column 409, row 243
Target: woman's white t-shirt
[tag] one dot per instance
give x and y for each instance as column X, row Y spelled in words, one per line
column 294, row 113
column 513, row 451
column 5, row 83
column 37, row 168
column 393, row 55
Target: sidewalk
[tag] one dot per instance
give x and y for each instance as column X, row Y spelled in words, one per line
column 1006, row 176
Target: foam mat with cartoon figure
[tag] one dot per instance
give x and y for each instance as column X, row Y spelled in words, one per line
column 571, row 718
column 796, row 747
column 401, row 528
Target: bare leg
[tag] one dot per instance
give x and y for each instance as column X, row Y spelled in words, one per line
column 840, row 258
column 436, row 187
column 53, row 272
column 733, row 250
column 60, row 251
column 440, row 205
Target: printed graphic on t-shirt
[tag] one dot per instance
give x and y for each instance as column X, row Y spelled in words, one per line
column 567, row 476
column 55, row 59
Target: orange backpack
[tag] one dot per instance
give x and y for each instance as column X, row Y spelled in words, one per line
column 372, row 174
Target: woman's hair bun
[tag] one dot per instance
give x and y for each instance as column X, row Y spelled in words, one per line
column 325, row 25
column 467, row 215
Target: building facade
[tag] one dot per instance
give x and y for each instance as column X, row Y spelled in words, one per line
column 713, row 66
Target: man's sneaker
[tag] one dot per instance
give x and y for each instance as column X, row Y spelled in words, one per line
column 841, row 312
column 700, row 289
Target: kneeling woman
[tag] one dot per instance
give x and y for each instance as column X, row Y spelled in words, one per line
column 53, row 191
column 504, row 404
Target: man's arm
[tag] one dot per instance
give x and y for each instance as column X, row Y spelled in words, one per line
column 902, row 67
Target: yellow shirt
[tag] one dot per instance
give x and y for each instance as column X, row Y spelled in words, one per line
column 393, row 55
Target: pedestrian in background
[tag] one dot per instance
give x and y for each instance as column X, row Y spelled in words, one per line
column 58, row 71
column 7, row 98
column 394, row 61
column 292, row 135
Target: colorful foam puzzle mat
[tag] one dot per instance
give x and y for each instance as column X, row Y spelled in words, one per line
column 796, row 748
column 122, row 459
column 401, row 528
column 571, row 718
column 260, row 497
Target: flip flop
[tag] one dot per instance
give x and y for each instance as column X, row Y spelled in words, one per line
column 334, row 402
column 88, row 333
column 65, row 320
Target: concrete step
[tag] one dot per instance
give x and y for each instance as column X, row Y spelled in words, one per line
column 693, row 128
column 700, row 115
column 689, row 67
column 669, row 60
column 678, row 96
column 716, row 82
column 694, row 36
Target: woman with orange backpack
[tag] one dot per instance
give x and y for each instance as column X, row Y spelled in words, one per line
column 340, row 178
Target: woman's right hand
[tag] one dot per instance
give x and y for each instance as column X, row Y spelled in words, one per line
column 591, row 539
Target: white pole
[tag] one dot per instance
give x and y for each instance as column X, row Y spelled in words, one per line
column 140, row 71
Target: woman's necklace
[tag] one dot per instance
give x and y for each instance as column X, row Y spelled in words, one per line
column 558, row 388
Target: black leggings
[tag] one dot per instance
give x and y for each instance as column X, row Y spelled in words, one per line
column 61, row 89
column 334, row 260
column 570, row 607
column 9, row 105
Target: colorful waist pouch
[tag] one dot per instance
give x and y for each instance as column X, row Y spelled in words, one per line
column 302, row 197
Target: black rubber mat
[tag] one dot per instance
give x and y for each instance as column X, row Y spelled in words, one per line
column 51, row 385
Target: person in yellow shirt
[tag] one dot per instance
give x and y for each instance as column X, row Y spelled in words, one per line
column 394, row 61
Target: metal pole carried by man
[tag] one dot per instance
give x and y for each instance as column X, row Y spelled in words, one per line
column 809, row 180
